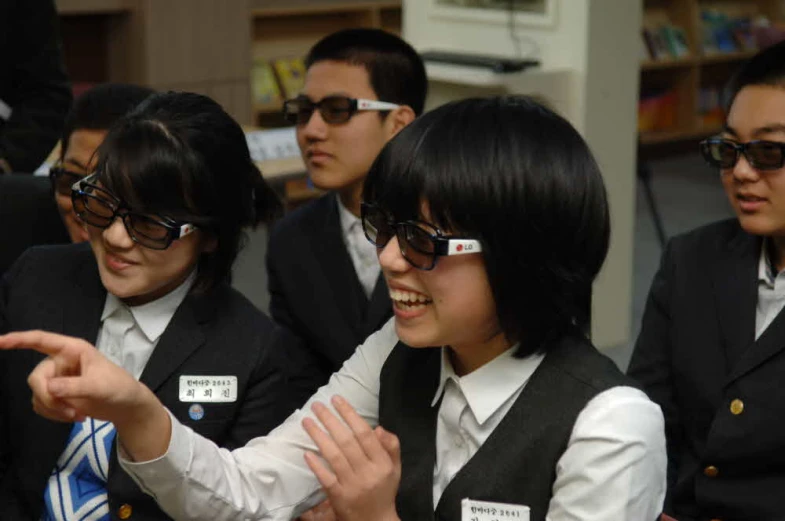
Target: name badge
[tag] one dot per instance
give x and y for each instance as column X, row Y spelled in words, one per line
column 472, row 510
column 208, row 389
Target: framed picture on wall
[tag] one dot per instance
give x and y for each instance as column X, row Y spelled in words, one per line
column 537, row 13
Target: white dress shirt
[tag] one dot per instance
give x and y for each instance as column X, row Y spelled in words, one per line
column 613, row 468
column 361, row 251
column 771, row 293
column 129, row 334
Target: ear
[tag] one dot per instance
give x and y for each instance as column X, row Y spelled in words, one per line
column 397, row 119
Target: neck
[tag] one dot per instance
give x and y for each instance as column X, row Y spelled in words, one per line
column 468, row 358
column 351, row 197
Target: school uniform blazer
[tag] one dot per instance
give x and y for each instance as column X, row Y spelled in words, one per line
column 57, row 288
column 28, row 216
column 314, row 289
column 721, row 391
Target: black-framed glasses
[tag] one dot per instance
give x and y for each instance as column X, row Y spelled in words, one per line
column 333, row 109
column 98, row 207
column 63, row 179
column 421, row 243
column 725, row 153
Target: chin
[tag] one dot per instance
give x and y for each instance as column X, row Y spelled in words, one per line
column 413, row 338
column 757, row 225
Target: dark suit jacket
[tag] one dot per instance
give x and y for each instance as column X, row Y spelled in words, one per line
column 696, row 356
column 57, row 288
column 32, row 81
column 28, row 216
column 314, row 289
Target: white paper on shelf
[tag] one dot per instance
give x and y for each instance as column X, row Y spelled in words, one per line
column 270, row 144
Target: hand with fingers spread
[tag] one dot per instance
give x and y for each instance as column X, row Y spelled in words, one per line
column 364, row 464
column 76, row 381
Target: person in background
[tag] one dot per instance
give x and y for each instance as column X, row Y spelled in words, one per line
column 361, row 88
column 27, row 208
column 711, row 350
column 34, row 89
column 491, row 222
column 164, row 211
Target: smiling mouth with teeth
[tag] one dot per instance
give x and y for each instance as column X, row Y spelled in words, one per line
column 408, row 299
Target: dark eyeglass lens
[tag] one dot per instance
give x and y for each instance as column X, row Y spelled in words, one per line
column 62, row 180
column 376, row 227
column 298, row 111
column 416, row 245
column 336, row 109
column 765, row 155
column 148, row 229
column 720, row 153
column 97, row 211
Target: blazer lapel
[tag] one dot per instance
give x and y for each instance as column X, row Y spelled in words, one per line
column 82, row 317
column 735, row 282
column 335, row 263
column 181, row 338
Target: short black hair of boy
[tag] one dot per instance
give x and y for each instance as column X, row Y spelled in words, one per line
column 765, row 68
column 100, row 107
column 396, row 71
column 519, row 178
column 180, row 155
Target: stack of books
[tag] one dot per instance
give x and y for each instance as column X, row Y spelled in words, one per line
column 665, row 42
column 726, row 34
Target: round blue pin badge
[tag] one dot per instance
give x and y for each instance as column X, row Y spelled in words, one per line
column 196, row 412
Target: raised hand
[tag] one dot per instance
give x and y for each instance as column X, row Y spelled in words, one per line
column 365, row 463
column 76, row 381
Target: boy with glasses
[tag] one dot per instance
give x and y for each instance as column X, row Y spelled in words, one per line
column 26, row 201
column 362, row 87
column 711, row 350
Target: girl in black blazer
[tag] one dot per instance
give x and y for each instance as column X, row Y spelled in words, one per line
column 173, row 188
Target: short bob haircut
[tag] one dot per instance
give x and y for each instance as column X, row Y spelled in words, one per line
column 767, row 68
column 519, row 178
column 395, row 70
column 180, row 155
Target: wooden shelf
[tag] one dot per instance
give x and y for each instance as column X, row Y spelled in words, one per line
column 648, row 65
column 668, row 136
column 322, row 7
column 676, row 90
column 726, row 57
column 93, row 7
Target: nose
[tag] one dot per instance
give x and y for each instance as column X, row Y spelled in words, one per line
column 744, row 172
column 315, row 128
column 116, row 235
column 391, row 259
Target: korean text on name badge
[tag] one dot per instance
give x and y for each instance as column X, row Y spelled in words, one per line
column 208, row 389
column 472, row 510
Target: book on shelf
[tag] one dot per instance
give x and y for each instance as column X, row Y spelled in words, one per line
column 291, row 75
column 666, row 42
column 264, row 84
column 726, row 34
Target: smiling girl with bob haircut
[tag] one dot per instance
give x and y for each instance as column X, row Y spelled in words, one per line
column 491, row 221
column 164, row 213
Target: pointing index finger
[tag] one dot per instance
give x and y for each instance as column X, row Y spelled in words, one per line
column 50, row 344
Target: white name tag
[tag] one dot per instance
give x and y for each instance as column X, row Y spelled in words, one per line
column 472, row 510
column 208, row 389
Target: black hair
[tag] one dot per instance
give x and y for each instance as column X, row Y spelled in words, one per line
column 519, row 178
column 100, row 107
column 396, row 71
column 180, row 155
column 765, row 68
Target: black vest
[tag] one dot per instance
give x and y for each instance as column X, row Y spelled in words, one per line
column 517, row 463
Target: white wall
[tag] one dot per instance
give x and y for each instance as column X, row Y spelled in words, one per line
column 598, row 40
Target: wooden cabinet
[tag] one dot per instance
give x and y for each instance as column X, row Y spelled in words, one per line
column 196, row 45
column 689, row 80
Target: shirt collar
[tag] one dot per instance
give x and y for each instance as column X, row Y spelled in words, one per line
column 347, row 218
column 487, row 388
column 766, row 272
column 153, row 317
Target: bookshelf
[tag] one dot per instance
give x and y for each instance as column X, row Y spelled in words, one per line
column 698, row 73
column 286, row 29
